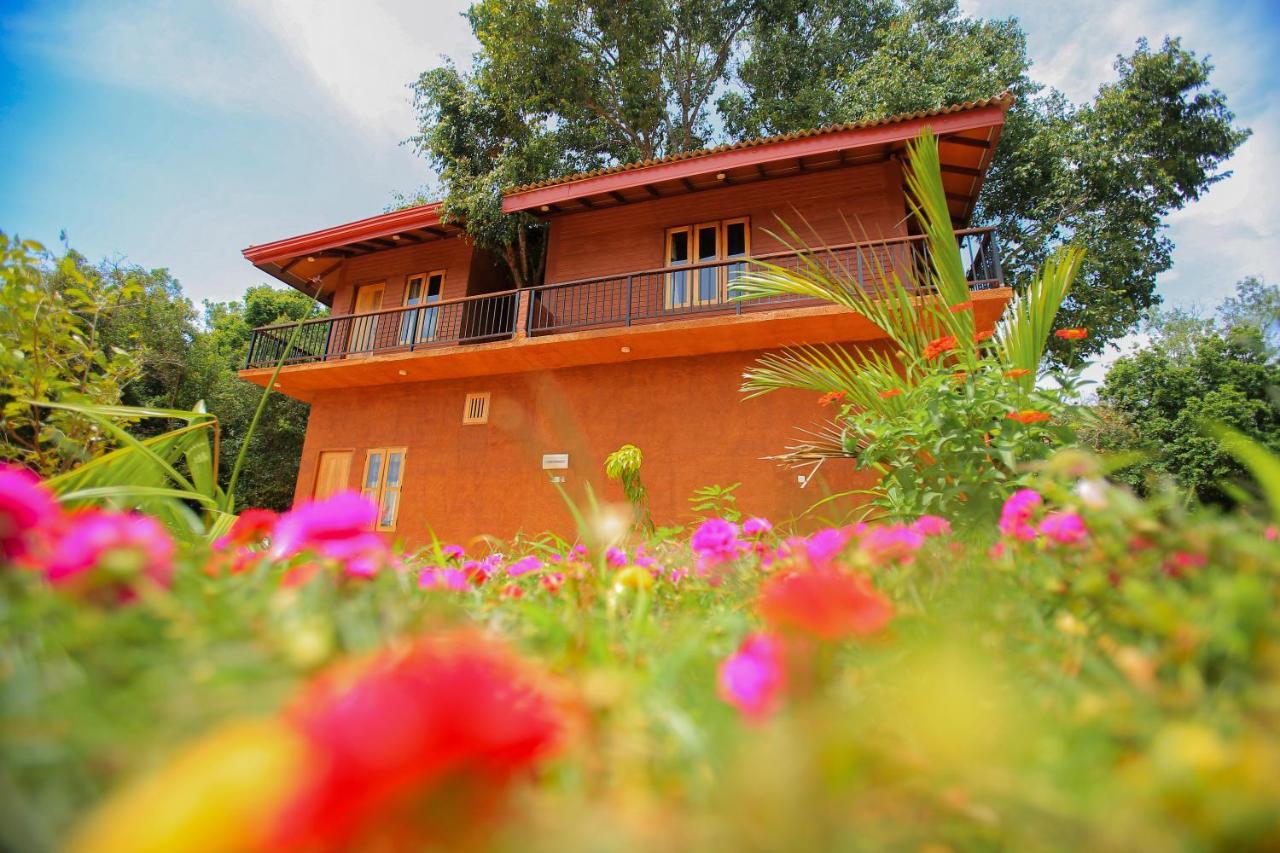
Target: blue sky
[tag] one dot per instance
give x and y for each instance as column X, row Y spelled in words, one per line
column 177, row 133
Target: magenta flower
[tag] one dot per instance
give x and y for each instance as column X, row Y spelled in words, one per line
column 897, row 543
column 823, row 547
column 931, row 525
column 615, row 557
column 110, row 552
column 452, row 552
column 715, row 542
column 1016, row 515
column 336, row 528
column 28, row 512
column 438, row 577
column 1065, row 528
column 524, row 566
column 756, row 527
column 753, row 678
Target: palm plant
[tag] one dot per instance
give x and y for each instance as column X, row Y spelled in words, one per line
column 928, row 411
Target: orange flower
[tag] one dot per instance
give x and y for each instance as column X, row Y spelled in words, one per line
column 939, row 346
column 1016, row 373
column 1072, row 334
column 983, row 336
column 831, row 397
column 827, row 604
column 892, row 392
column 1028, row 416
column 960, row 376
column 963, row 306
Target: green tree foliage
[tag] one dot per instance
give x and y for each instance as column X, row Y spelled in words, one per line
column 1195, row 372
column 560, row 86
column 54, row 349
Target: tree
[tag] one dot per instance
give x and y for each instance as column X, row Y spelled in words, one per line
column 52, row 314
column 1196, row 371
column 561, row 86
column 565, row 85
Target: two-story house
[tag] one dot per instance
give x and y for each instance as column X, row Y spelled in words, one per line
column 456, row 402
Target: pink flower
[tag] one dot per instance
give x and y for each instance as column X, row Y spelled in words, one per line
column 336, row 528
column 1270, row 533
column 1065, row 528
column 28, row 513
column 897, row 543
column 615, row 557
column 513, row 590
column 931, row 525
column 824, row 546
column 1017, row 513
column 715, row 542
column 552, row 581
column 753, row 678
column 452, row 552
column 438, row 577
column 110, row 552
column 756, row 527
column 524, row 566
column 1177, row 565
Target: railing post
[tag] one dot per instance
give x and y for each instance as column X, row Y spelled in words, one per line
column 524, row 312
column 629, row 291
column 248, row 356
column 995, row 257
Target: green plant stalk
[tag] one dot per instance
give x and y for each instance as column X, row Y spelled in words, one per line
column 229, row 499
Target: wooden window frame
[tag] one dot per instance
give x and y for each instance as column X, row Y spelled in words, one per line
column 415, row 320
column 378, row 492
column 693, row 291
column 669, row 280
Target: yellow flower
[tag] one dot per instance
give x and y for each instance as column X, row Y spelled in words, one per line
column 633, row 577
column 220, row 794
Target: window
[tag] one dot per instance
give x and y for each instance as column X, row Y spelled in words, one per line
column 420, row 326
column 383, row 476
column 476, row 408
column 705, row 243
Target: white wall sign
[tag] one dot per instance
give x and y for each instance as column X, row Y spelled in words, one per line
column 555, row 461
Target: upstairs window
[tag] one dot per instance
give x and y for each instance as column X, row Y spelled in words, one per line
column 383, row 476
column 423, row 289
column 705, row 243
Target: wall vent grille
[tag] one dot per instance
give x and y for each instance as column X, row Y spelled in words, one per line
column 476, row 409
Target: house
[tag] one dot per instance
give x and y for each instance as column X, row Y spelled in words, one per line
column 458, row 403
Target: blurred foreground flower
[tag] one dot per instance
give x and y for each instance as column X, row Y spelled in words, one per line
column 27, row 513
column 827, row 604
column 415, row 745
column 337, row 528
column 108, row 555
column 753, row 679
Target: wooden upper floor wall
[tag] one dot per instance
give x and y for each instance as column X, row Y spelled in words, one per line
column 467, row 272
column 830, row 207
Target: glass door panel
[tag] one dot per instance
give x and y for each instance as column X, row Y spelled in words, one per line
column 677, row 283
column 737, row 244
column 707, row 237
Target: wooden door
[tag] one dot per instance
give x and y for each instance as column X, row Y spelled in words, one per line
column 333, row 473
column 364, row 325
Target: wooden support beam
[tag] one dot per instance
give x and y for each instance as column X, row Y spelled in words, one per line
column 651, row 191
column 964, row 140
column 618, row 197
column 761, row 171
column 688, row 184
column 586, row 202
column 960, row 197
column 961, row 170
column 439, row 232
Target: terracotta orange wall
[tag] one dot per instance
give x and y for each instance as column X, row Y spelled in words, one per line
column 394, row 266
column 629, row 238
column 686, row 415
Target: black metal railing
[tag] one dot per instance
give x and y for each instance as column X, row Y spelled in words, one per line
column 620, row 300
column 472, row 319
column 668, row 293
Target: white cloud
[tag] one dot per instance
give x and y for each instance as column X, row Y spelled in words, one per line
column 363, row 56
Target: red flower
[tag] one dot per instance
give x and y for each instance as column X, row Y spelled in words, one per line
column 937, row 347
column 1016, row 373
column 892, row 392
column 1072, row 334
column 962, row 306
column 1028, row 416
column 415, row 745
column 983, row 336
column 825, row 603
column 831, row 397
column 251, row 527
